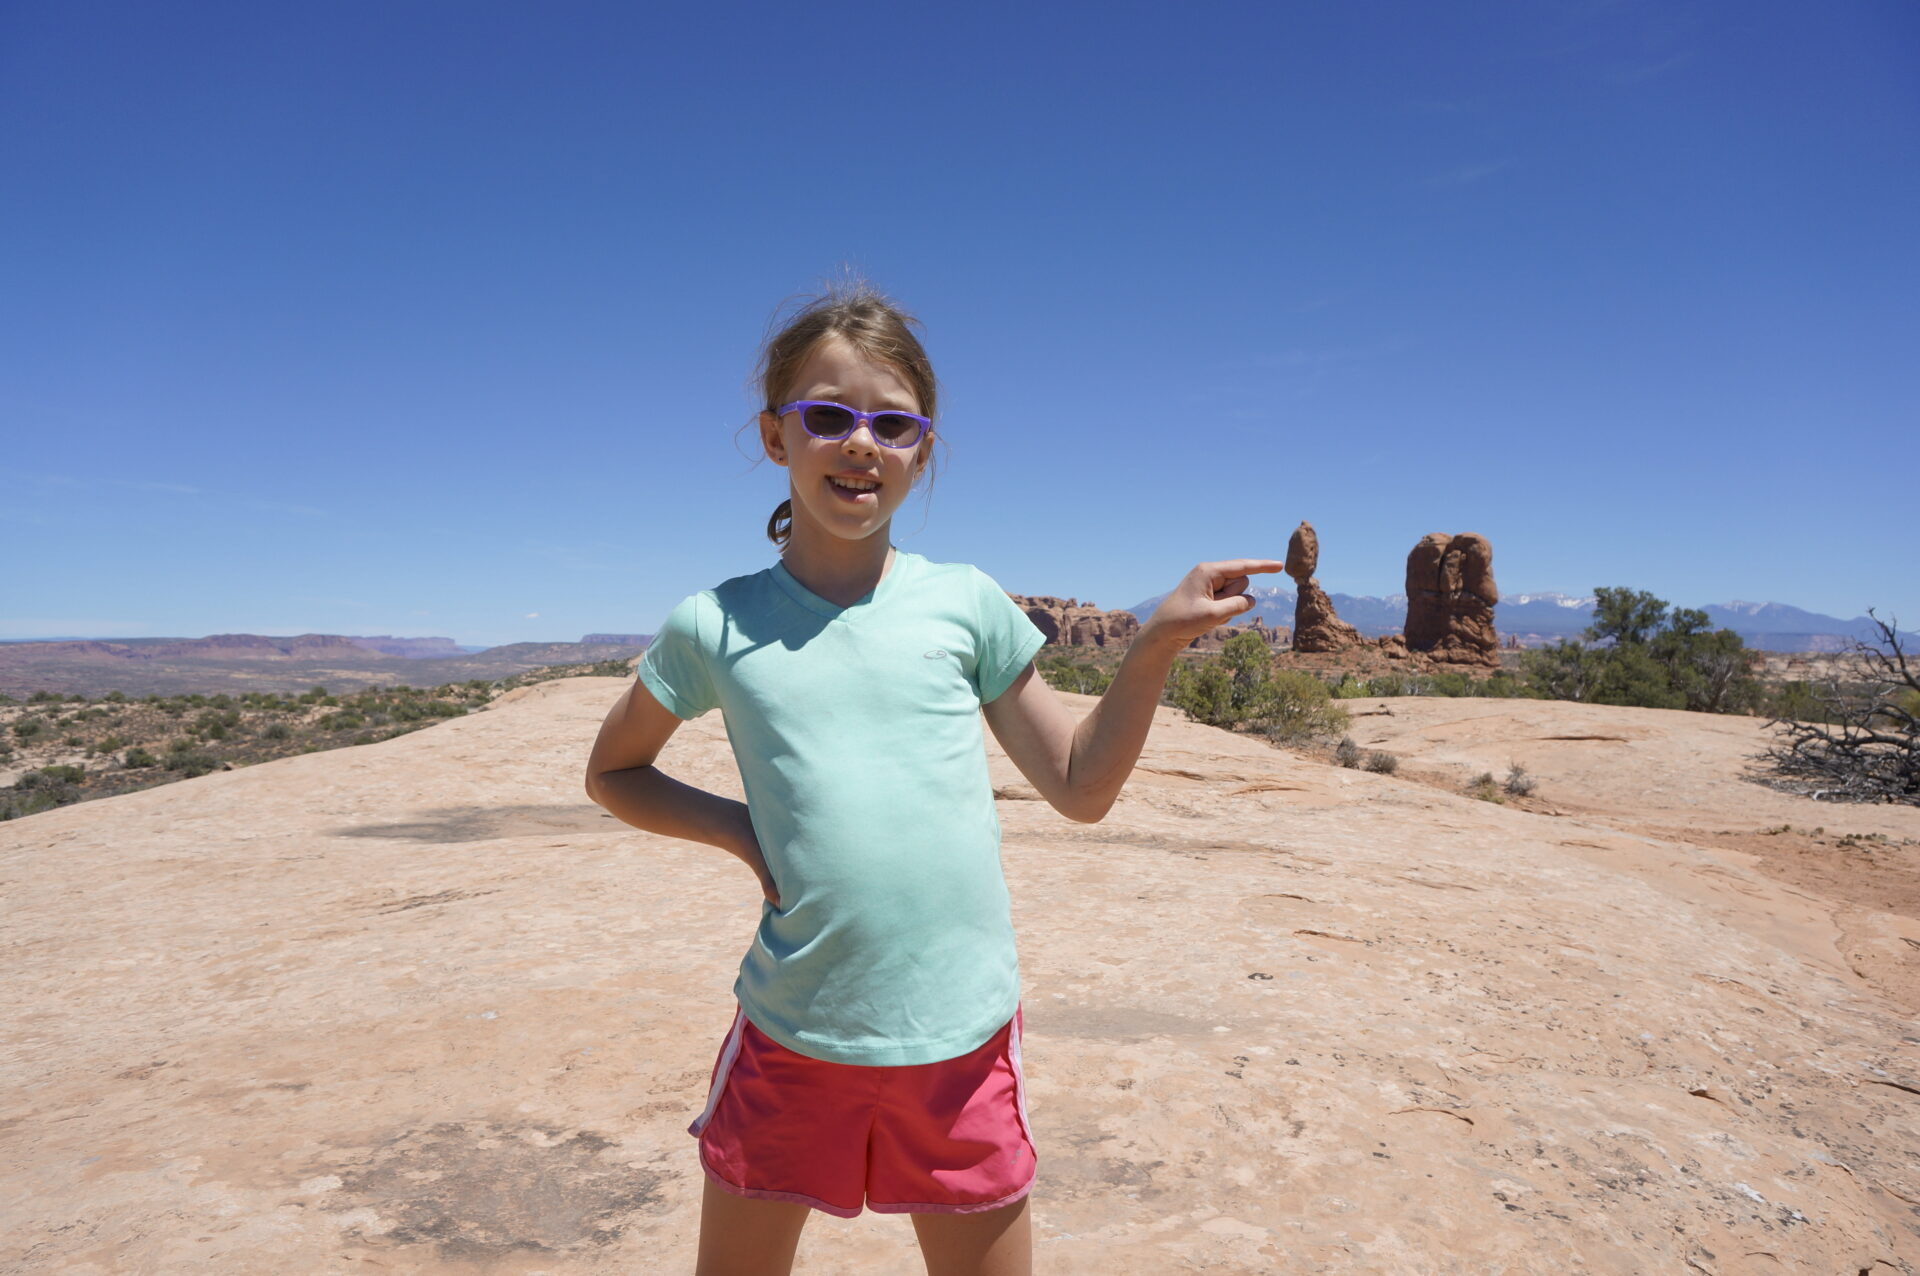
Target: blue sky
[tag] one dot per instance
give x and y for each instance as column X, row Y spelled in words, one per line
column 436, row 318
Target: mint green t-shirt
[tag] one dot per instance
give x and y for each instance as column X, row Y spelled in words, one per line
column 857, row 731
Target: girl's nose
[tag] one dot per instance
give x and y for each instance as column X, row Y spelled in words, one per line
column 862, row 440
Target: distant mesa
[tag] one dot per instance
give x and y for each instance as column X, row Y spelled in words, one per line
column 1068, row 622
column 411, row 648
column 266, row 663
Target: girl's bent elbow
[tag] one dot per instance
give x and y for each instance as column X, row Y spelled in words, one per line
column 1084, row 812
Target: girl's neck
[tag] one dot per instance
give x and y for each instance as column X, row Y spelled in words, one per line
column 840, row 571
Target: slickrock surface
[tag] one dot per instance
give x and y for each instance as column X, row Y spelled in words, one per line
column 419, row 1007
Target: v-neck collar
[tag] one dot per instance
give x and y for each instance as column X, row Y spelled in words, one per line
column 790, row 584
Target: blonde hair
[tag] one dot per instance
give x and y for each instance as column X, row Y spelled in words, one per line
column 868, row 321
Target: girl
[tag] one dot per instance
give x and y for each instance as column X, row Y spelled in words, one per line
column 874, row 1057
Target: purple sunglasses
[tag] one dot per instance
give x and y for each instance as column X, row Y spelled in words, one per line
column 835, row 421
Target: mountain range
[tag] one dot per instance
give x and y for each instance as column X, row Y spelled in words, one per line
column 1540, row 619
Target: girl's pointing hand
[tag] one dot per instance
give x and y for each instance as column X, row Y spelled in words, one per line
column 1211, row 594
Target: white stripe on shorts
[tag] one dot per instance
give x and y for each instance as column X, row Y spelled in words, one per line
column 1019, row 1079
column 728, row 1053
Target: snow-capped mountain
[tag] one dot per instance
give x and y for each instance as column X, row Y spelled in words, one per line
column 1539, row 618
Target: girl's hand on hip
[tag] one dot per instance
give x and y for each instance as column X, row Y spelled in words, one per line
column 745, row 847
column 1211, row 594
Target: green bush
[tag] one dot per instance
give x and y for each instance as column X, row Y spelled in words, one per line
column 28, row 728
column 1347, row 753
column 1486, row 788
column 1636, row 652
column 1300, row 708
column 64, row 774
column 1241, row 688
column 1064, row 673
column 190, row 761
column 277, row 731
column 137, row 757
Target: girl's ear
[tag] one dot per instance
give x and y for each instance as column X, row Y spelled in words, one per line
column 771, row 439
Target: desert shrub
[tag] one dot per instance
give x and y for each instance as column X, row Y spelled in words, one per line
column 1868, row 747
column 345, row 720
column 1518, row 783
column 35, row 793
column 137, row 757
column 1486, row 788
column 64, row 774
column 1064, row 673
column 1346, row 753
column 1350, row 688
column 190, row 761
column 1387, row 684
column 1241, row 688
column 116, row 697
column 1381, row 763
column 46, row 697
column 1298, row 707
column 1799, row 701
column 28, row 728
column 1226, row 690
column 277, row 731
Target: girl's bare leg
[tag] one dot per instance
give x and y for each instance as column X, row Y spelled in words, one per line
column 742, row 1236
column 996, row 1243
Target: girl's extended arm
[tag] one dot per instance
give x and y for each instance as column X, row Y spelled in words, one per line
column 622, row 778
column 1080, row 768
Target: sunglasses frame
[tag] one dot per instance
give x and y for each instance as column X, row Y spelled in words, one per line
column 859, row 419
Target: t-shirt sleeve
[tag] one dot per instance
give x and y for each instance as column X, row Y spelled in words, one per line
column 1008, row 640
column 675, row 667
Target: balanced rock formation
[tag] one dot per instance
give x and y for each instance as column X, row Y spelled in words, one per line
column 1450, row 599
column 1316, row 627
column 1068, row 622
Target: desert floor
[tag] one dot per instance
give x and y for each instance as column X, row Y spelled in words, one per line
column 418, row 1006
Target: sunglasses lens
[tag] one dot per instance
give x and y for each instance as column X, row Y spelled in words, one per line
column 828, row 421
column 895, row 430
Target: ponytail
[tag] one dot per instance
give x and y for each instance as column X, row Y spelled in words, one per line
column 780, row 526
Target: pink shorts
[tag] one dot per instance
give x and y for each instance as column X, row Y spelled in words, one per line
column 948, row 1137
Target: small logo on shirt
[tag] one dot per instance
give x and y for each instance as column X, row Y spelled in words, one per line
column 936, row 654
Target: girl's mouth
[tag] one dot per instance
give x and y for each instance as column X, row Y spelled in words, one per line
column 854, row 492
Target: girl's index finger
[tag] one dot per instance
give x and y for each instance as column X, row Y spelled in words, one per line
column 1243, row 567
